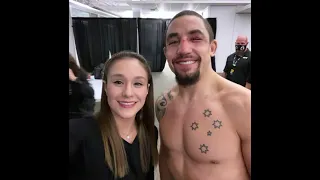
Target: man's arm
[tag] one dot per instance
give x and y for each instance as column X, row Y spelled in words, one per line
column 244, row 130
column 163, row 167
column 160, row 106
column 248, row 83
column 226, row 69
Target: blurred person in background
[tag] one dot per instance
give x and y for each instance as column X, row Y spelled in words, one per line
column 248, row 83
column 81, row 94
column 238, row 64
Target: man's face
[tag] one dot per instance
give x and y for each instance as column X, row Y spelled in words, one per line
column 188, row 50
column 241, row 45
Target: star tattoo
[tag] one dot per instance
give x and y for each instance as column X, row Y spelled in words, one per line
column 203, row 148
column 194, row 126
column 207, row 113
column 209, row 133
column 217, row 124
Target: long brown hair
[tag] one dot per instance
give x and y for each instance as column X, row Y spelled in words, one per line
column 77, row 70
column 115, row 155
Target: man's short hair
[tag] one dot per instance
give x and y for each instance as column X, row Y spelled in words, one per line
column 193, row 13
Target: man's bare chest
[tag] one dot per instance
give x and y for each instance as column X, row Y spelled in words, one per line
column 203, row 132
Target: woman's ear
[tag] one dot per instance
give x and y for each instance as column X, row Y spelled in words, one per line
column 104, row 86
column 148, row 88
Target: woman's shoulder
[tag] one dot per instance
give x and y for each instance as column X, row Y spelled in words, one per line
column 82, row 126
column 83, row 121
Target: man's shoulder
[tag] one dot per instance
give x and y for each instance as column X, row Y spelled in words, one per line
column 236, row 95
column 167, row 96
column 231, row 56
column 163, row 101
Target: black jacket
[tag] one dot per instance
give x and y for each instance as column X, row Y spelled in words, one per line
column 87, row 158
column 81, row 97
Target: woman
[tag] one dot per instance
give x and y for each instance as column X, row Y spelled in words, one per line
column 81, row 94
column 120, row 142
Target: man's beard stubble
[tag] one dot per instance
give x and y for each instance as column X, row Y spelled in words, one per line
column 189, row 79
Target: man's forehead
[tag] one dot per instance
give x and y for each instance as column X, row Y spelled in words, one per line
column 241, row 39
column 186, row 23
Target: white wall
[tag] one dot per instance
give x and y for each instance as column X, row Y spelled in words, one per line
column 79, row 13
column 205, row 12
column 229, row 25
column 243, row 27
column 72, row 46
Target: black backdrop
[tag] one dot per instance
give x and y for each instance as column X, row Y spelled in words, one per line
column 151, row 42
column 95, row 37
column 213, row 23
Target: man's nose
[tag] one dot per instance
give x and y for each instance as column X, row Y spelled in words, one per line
column 127, row 91
column 184, row 46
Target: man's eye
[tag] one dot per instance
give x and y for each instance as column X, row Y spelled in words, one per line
column 173, row 42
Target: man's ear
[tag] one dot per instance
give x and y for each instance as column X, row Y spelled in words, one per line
column 213, row 47
column 165, row 52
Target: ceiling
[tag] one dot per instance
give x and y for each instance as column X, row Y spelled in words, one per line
column 146, row 6
column 244, row 9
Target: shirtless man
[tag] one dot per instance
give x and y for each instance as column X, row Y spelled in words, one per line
column 205, row 121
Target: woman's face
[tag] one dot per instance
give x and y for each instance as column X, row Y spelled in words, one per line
column 126, row 87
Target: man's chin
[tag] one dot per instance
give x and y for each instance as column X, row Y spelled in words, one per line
column 187, row 79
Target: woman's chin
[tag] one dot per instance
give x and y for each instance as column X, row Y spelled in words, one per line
column 127, row 115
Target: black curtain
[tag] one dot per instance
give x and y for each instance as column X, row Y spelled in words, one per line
column 151, row 42
column 95, row 37
column 213, row 24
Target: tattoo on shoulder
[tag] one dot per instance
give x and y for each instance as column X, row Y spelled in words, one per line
column 161, row 107
column 162, row 101
column 170, row 95
column 207, row 113
column 217, row 124
column 203, row 148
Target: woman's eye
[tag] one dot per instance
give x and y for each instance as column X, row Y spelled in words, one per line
column 138, row 84
column 117, row 82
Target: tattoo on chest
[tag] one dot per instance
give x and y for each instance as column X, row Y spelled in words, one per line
column 207, row 113
column 209, row 133
column 203, row 148
column 217, row 124
column 194, row 126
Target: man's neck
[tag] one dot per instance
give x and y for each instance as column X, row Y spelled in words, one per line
column 207, row 83
column 244, row 52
